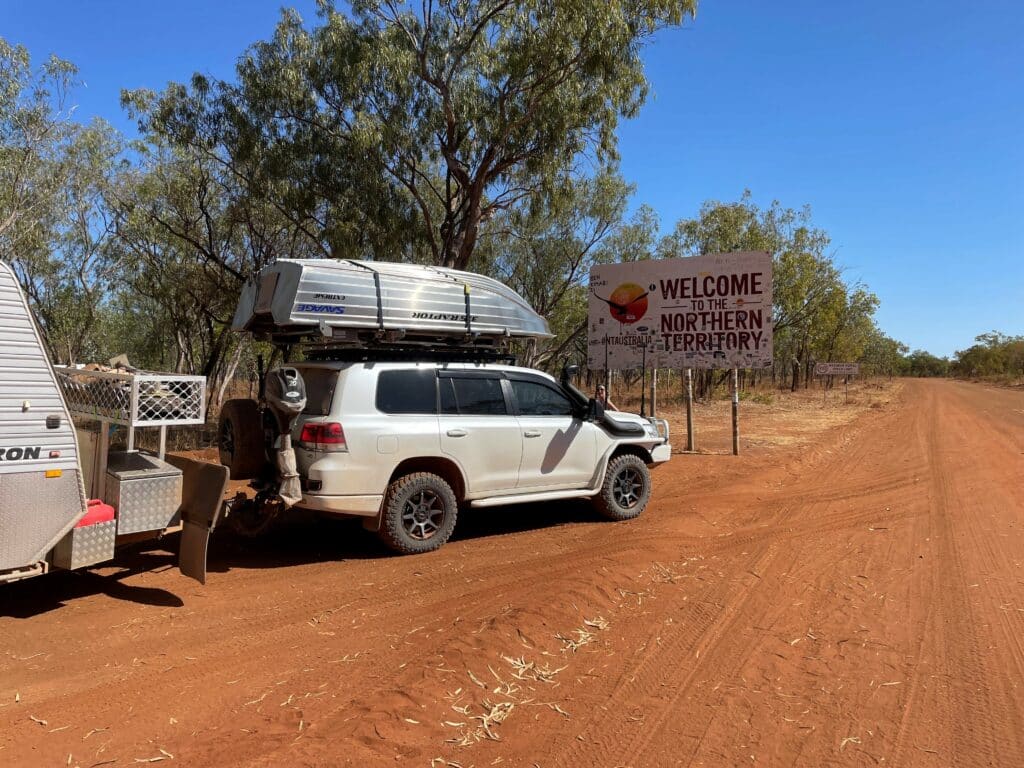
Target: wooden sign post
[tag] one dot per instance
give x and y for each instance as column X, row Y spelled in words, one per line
column 690, row 441
column 735, row 412
column 846, row 370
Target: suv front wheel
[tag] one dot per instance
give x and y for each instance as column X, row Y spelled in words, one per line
column 418, row 514
column 626, row 489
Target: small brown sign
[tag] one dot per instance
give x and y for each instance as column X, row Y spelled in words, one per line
column 837, row 369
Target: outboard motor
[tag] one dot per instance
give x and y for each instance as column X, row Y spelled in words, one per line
column 285, row 394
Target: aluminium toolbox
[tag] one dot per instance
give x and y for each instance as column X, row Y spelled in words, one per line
column 145, row 491
column 91, row 541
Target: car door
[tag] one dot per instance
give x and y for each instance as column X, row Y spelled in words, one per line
column 559, row 448
column 478, row 429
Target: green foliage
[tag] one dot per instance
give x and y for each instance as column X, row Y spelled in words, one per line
column 34, row 130
column 995, row 355
column 399, row 133
column 545, row 251
column 818, row 317
column 921, row 363
column 476, row 135
column 884, row 356
column 54, row 226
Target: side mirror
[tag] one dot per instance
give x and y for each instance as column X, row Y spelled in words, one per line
column 595, row 410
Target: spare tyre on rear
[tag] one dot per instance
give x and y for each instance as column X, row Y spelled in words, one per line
column 240, row 439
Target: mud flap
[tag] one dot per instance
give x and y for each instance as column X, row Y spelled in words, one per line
column 202, row 497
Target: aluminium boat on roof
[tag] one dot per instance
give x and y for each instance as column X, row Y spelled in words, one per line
column 357, row 303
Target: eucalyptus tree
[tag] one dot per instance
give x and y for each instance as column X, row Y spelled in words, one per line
column 395, row 131
column 884, row 356
column 35, row 127
column 544, row 247
column 185, row 241
column 923, row 363
column 993, row 354
column 54, row 227
column 845, row 327
column 813, row 306
column 66, row 275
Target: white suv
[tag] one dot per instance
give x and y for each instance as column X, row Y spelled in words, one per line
column 403, row 444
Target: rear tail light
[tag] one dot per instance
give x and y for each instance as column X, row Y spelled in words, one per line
column 328, row 437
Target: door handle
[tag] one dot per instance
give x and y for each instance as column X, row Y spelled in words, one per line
column 531, row 433
column 457, row 433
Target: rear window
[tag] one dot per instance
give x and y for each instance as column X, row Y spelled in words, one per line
column 320, row 383
column 409, row 391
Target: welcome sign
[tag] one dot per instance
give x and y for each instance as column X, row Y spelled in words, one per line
column 700, row 312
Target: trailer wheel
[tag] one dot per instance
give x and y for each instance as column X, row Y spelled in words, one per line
column 626, row 488
column 240, row 439
column 418, row 514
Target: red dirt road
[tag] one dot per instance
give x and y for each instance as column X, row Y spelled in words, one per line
column 855, row 601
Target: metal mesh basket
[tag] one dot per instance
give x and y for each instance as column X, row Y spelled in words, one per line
column 135, row 400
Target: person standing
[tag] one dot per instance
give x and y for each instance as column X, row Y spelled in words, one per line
column 602, row 397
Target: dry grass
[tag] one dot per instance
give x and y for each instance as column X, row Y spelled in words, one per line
column 789, row 418
column 531, row 670
column 712, row 415
column 514, row 687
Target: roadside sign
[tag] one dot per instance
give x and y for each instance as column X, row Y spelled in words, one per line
column 700, row 312
column 836, row 369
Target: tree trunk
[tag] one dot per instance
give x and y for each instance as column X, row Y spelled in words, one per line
column 179, row 343
column 229, row 374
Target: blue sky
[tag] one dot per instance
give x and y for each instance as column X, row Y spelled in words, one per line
column 900, row 123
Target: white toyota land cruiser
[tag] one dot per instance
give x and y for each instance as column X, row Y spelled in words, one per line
column 404, row 444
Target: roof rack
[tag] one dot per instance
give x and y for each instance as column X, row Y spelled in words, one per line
column 328, row 303
column 409, row 354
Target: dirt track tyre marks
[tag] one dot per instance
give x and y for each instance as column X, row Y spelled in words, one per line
column 715, row 637
column 607, row 739
column 542, row 582
column 923, row 606
column 967, row 726
column 1003, row 653
column 514, row 579
column 280, row 626
column 961, row 649
column 986, row 723
column 778, row 513
column 796, row 525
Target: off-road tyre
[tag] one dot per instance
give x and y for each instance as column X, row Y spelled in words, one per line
column 626, row 488
column 240, row 439
column 409, row 524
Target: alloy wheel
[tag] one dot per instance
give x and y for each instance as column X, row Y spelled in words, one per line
column 422, row 515
column 628, row 488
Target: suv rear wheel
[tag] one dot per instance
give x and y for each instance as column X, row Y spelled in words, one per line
column 419, row 513
column 626, row 489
